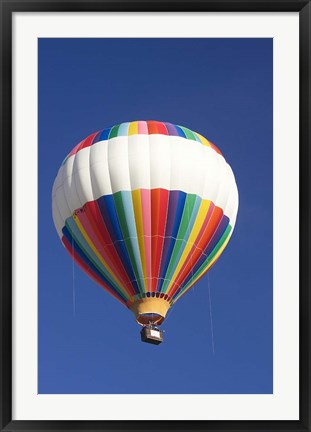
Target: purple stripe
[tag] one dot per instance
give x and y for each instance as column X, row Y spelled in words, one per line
column 209, row 248
column 171, row 129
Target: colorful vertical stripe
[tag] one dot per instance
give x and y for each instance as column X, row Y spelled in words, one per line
column 149, row 127
column 154, row 241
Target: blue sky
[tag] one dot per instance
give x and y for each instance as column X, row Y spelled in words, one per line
column 221, row 88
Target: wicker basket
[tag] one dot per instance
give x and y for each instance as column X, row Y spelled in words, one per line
column 151, row 335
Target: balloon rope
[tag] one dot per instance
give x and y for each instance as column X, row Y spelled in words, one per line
column 73, row 280
column 210, row 312
column 168, row 313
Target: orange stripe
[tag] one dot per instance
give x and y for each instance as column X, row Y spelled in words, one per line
column 91, row 221
column 197, row 249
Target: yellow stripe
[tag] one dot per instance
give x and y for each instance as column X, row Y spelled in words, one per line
column 91, row 244
column 133, row 129
column 204, row 206
column 207, row 268
column 213, row 260
column 204, row 140
column 138, row 212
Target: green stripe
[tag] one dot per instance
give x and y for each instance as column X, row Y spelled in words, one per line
column 189, row 134
column 207, row 261
column 114, row 131
column 90, row 255
column 183, row 234
column 118, row 201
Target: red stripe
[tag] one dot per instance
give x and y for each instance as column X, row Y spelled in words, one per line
column 159, row 204
column 88, row 141
column 95, row 227
column 87, row 270
column 155, row 127
column 206, row 233
column 215, row 148
column 75, row 149
column 84, row 143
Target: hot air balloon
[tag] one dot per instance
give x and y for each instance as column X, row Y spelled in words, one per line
column 145, row 208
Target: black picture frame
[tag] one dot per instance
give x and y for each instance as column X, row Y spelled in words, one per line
column 8, row 7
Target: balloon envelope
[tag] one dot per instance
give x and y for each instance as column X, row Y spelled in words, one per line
column 145, row 208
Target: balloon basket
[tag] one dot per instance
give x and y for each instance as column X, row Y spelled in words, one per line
column 151, row 334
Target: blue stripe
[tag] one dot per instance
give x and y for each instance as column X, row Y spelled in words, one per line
column 131, row 242
column 180, row 131
column 209, row 248
column 86, row 260
column 197, row 138
column 176, row 205
column 123, row 129
column 109, row 214
column 191, row 223
column 102, row 136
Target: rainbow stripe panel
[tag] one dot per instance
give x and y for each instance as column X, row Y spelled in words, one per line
column 145, row 208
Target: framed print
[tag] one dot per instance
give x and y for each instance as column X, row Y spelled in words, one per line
column 155, row 215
